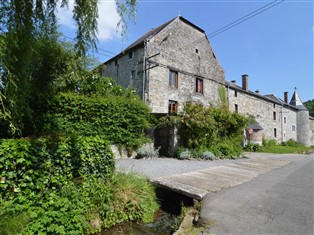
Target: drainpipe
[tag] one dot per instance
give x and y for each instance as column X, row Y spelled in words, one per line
column 144, row 71
column 228, row 97
column 282, row 123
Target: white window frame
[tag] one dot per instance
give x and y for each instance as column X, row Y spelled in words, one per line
column 293, row 128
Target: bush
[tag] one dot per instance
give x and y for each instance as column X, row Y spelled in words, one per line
column 208, row 156
column 253, row 147
column 31, row 167
column 83, row 209
column 269, row 143
column 291, row 143
column 147, row 151
column 121, row 120
column 185, row 154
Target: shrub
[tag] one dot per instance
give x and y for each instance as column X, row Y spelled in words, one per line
column 290, row 143
column 30, row 167
column 253, row 147
column 121, row 120
column 185, row 154
column 208, row 156
column 269, row 143
column 147, row 151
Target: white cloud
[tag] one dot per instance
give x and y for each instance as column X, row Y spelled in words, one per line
column 107, row 21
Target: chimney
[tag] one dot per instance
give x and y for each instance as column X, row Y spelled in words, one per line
column 286, row 96
column 245, row 82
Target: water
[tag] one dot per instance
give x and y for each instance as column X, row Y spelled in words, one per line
column 167, row 219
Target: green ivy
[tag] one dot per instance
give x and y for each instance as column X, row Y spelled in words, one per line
column 33, row 167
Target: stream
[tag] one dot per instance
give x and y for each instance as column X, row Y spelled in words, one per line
column 167, row 219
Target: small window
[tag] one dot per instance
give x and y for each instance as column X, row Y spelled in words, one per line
column 196, row 51
column 274, row 116
column 173, row 106
column 275, row 132
column 199, row 86
column 274, row 105
column 293, row 128
column 236, row 108
column 130, row 56
column 116, row 63
column 235, row 93
column 173, row 79
column 133, row 75
column 285, row 120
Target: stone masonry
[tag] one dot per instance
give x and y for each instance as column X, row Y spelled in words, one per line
column 174, row 64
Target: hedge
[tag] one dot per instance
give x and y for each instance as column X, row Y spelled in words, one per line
column 119, row 119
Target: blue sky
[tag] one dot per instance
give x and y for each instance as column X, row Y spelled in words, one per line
column 275, row 48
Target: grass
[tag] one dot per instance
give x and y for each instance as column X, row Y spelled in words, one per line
column 288, row 149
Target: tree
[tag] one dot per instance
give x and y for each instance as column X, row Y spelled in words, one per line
column 22, row 24
column 310, row 106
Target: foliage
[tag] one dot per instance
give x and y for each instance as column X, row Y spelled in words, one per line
column 119, row 119
column 214, row 129
column 310, row 106
column 32, row 168
column 183, row 153
column 253, row 147
column 133, row 199
column 23, row 26
column 147, row 151
column 208, row 156
column 269, row 142
column 83, row 209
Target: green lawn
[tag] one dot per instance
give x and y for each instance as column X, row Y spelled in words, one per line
column 288, row 149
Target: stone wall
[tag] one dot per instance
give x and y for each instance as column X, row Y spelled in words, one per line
column 311, row 121
column 120, row 69
column 270, row 115
column 303, row 127
column 173, row 49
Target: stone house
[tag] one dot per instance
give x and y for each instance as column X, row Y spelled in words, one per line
column 175, row 63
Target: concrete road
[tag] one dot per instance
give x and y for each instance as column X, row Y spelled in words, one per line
column 276, row 202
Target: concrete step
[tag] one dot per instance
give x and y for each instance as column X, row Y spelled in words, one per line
column 197, row 184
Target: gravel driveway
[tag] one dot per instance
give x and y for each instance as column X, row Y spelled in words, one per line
column 157, row 167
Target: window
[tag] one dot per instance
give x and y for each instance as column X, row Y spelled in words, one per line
column 274, row 105
column 293, row 128
column 199, row 85
column 236, row 108
column 235, row 93
column 274, row 115
column 285, row 120
column 275, row 132
column 173, row 79
column 173, row 106
column 196, row 51
column 133, row 75
column 116, row 63
column 130, row 56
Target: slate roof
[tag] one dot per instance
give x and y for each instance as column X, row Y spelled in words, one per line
column 140, row 42
column 296, row 101
column 255, row 126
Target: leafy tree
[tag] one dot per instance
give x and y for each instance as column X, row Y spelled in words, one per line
column 310, row 106
column 24, row 26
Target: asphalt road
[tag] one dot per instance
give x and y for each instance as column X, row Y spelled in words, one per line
column 276, row 202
